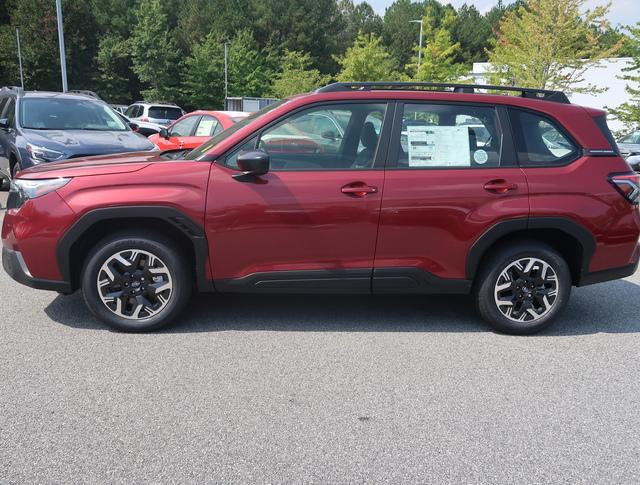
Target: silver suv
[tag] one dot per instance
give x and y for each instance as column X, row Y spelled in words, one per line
column 161, row 113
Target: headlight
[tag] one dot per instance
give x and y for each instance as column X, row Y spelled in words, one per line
column 22, row 190
column 42, row 154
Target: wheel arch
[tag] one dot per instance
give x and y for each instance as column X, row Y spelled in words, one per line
column 78, row 240
column 572, row 240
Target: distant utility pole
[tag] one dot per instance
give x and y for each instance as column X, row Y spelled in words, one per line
column 63, row 61
column 419, row 40
column 20, row 58
column 226, row 75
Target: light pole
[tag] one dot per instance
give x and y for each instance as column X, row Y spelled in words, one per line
column 63, row 61
column 19, row 58
column 419, row 40
column 226, row 74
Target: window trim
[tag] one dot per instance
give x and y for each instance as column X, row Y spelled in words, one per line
column 579, row 149
column 507, row 146
column 379, row 158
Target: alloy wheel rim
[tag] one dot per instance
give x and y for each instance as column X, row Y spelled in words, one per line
column 526, row 290
column 134, row 284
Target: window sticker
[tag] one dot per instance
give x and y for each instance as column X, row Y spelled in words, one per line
column 480, row 157
column 438, row 146
column 204, row 128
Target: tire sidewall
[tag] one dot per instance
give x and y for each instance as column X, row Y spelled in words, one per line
column 167, row 252
column 485, row 293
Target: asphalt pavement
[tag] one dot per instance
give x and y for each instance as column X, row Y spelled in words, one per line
column 320, row 389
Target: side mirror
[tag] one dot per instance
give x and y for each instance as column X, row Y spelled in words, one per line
column 134, row 126
column 253, row 164
column 164, row 133
column 4, row 122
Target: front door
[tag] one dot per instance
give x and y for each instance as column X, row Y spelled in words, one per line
column 309, row 224
column 451, row 175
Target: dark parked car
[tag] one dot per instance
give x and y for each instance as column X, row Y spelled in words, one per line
column 40, row 127
column 511, row 199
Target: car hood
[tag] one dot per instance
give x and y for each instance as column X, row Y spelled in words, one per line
column 77, row 143
column 98, row 165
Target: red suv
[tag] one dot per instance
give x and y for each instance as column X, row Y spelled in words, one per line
column 409, row 188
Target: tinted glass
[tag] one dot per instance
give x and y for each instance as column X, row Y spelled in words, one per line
column 164, row 112
column 130, row 111
column 539, row 141
column 3, row 102
column 339, row 137
column 184, row 127
column 68, row 114
column 206, row 126
column 10, row 112
column 449, row 136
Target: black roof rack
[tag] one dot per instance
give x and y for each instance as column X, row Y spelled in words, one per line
column 85, row 92
column 547, row 95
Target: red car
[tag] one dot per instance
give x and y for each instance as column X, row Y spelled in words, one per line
column 512, row 199
column 194, row 128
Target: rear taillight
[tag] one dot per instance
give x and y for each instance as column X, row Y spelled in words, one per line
column 628, row 184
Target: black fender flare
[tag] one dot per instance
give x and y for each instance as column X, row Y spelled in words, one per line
column 186, row 225
column 504, row 228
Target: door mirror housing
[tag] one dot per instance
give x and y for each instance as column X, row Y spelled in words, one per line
column 164, row 133
column 134, row 127
column 253, row 164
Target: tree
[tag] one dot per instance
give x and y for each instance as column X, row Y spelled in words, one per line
column 203, row 82
column 473, row 32
column 358, row 18
column 438, row 63
column 249, row 66
column 156, row 59
column 296, row 75
column 549, row 44
column 629, row 112
column 367, row 60
column 399, row 34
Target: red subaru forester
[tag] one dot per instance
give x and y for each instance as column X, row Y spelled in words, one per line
column 355, row 188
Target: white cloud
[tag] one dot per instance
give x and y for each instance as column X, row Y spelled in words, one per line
column 623, row 12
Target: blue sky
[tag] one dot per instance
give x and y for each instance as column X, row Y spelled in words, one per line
column 622, row 11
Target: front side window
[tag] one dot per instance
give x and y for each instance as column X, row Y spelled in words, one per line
column 130, row 111
column 184, row 127
column 330, row 137
column 68, row 114
column 449, row 136
column 539, row 141
column 633, row 138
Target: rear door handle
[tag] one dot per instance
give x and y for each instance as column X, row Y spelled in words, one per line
column 500, row 186
column 358, row 189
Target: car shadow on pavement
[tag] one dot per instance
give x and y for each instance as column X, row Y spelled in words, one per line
column 611, row 308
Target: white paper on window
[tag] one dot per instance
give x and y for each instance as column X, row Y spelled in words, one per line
column 438, row 146
column 204, row 128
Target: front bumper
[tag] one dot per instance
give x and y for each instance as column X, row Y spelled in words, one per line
column 15, row 266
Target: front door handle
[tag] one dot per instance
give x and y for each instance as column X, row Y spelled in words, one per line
column 500, row 186
column 358, row 189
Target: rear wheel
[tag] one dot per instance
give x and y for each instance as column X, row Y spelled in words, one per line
column 136, row 282
column 523, row 287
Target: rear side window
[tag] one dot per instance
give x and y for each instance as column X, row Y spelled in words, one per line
column 540, row 141
column 449, row 136
column 164, row 112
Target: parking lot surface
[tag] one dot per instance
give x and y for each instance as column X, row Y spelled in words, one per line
column 321, row 389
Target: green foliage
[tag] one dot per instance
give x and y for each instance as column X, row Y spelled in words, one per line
column 549, row 44
column 472, row 31
column 203, row 82
column 367, row 60
column 358, row 19
column 399, row 35
column 629, row 112
column 438, row 63
column 156, row 60
column 296, row 75
column 249, row 66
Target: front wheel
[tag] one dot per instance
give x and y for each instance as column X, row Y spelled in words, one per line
column 136, row 282
column 523, row 287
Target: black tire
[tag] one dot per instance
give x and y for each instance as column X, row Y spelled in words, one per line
column 487, row 294
column 174, row 263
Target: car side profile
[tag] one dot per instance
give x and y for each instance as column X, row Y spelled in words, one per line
column 195, row 128
column 421, row 188
column 159, row 113
column 39, row 127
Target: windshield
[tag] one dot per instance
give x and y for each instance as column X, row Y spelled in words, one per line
column 165, row 113
column 211, row 142
column 68, row 114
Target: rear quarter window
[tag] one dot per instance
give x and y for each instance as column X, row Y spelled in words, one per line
column 540, row 141
column 164, row 112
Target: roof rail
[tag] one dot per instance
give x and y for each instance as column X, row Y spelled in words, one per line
column 548, row 95
column 85, row 92
column 157, row 101
column 17, row 89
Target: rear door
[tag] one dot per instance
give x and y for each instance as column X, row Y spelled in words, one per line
column 310, row 224
column 451, row 175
